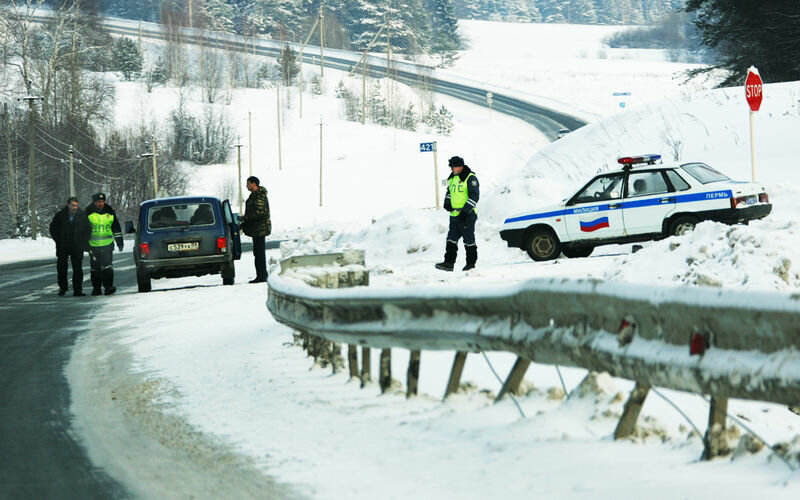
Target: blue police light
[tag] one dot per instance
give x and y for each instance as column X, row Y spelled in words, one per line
column 635, row 160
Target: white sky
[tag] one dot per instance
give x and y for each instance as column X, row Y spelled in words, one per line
column 238, row 378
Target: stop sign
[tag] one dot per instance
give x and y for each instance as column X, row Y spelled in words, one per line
column 753, row 89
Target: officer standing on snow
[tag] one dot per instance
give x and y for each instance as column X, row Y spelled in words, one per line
column 105, row 231
column 462, row 196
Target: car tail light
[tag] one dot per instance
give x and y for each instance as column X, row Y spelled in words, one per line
column 144, row 250
column 740, row 200
column 763, row 198
column 222, row 244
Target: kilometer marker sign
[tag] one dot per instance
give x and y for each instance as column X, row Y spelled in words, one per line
column 754, row 93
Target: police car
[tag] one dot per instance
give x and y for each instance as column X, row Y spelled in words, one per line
column 642, row 201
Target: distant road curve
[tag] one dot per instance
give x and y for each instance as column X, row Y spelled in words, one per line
column 547, row 120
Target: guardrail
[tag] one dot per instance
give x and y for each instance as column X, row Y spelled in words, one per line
column 723, row 343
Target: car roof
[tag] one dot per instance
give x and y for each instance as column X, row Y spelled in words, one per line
column 180, row 199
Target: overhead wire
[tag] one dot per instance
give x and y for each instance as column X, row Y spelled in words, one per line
column 45, row 153
column 83, row 156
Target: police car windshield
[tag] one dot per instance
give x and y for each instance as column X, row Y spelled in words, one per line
column 704, row 174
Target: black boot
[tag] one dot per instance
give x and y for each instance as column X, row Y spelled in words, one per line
column 472, row 256
column 450, row 252
column 97, row 282
column 108, row 281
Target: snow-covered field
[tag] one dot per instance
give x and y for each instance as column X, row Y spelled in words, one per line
column 239, row 378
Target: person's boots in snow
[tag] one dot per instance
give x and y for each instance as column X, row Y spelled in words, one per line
column 451, row 249
column 472, row 257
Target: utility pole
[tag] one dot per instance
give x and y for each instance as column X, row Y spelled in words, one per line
column 300, row 75
column 250, row 141
column 72, row 170
column 278, row 114
column 321, row 43
column 154, row 156
column 363, row 63
column 320, row 159
column 31, row 162
column 238, row 147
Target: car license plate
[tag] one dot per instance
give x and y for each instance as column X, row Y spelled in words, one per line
column 183, row 247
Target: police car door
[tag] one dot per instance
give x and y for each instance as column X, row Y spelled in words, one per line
column 648, row 201
column 596, row 211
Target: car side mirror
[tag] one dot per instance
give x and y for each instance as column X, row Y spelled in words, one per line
column 129, row 229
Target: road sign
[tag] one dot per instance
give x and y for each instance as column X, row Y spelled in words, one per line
column 427, row 147
column 753, row 89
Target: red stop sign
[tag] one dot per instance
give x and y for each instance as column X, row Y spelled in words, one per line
column 753, row 89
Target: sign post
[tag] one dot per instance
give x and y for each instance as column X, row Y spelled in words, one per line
column 754, row 93
column 426, row 147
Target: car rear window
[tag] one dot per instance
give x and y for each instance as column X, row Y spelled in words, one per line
column 703, row 173
column 180, row 215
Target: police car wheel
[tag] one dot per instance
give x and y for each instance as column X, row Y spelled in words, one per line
column 682, row 225
column 543, row 245
column 143, row 280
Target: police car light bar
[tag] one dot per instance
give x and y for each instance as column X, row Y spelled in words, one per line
column 634, row 160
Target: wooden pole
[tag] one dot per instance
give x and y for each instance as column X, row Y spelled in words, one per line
column 715, row 442
column 385, row 376
column 278, row 115
column 455, row 374
column 412, row 374
column 366, row 368
column 352, row 361
column 514, row 378
column 250, row 141
column 630, row 413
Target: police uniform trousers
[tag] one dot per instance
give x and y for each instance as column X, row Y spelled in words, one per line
column 102, row 272
column 462, row 227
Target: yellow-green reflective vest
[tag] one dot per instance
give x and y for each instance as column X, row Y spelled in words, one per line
column 101, row 229
column 458, row 193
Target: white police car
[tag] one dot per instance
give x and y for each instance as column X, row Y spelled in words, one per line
column 641, row 202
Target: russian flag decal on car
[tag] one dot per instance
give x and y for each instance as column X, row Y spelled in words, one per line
column 594, row 225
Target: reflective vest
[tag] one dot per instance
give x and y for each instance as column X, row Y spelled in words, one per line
column 458, row 193
column 101, row 229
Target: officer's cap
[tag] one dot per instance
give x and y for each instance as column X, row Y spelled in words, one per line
column 456, row 161
column 98, row 197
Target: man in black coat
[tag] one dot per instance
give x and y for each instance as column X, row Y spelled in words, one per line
column 70, row 230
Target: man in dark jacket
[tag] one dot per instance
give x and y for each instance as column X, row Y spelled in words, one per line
column 463, row 192
column 70, row 230
column 256, row 224
column 105, row 231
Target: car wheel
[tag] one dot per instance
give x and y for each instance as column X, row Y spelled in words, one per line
column 682, row 225
column 228, row 273
column 577, row 252
column 543, row 244
column 143, row 280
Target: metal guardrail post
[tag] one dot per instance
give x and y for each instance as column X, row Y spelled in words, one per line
column 715, row 442
column 412, row 374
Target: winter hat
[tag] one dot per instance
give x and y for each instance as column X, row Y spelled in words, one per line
column 456, row 161
column 98, row 197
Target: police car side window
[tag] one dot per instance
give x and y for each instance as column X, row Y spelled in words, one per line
column 607, row 187
column 677, row 181
column 646, row 183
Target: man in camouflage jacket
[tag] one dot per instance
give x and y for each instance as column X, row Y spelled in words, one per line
column 257, row 225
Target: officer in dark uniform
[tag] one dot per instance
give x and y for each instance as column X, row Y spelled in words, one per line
column 463, row 191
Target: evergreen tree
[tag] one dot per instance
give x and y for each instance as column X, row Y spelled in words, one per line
column 127, row 57
column 287, row 61
column 445, row 40
column 582, row 12
column 745, row 33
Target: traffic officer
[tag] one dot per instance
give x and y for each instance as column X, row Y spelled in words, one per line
column 462, row 196
column 105, row 231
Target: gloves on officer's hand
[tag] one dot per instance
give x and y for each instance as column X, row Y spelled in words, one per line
column 120, row 245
